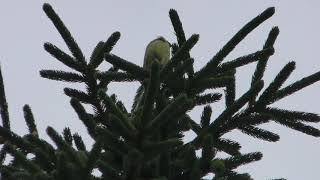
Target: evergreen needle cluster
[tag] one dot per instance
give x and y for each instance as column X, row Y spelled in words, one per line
column 145, row 143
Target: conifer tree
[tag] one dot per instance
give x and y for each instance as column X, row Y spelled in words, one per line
column 145, row 143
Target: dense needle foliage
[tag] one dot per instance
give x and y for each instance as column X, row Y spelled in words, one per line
column 145, row 142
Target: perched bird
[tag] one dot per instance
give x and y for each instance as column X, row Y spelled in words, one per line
column 157, row 50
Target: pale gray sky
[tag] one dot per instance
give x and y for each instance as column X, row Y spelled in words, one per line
column 24, row 29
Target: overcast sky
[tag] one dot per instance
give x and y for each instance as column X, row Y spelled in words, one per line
column 24, row 29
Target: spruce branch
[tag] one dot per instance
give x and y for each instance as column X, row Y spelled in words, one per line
column 77, row 94
column 296, row 86
column 299, row 126
column 181, row 38
column 84, row 117
column 112, row 142
column 262, row 63
column 67, row 136
column 95, row 61
column 62, row 76
column 221, row 119
column 175, row 109
column 230, row 90
column 151, row 93
column 239, row 160
column 269, row 92
column 292, row 115
column 235, row 40
column 115, row 110
column 121, row 106
column 3, row 153
column 103, row 84
column 194, row 126
column 238, row 62
column 260, row 133
column 205, row 117
column 41, row 147
column 79, row 142
column 127, row 66
column 28, row 165
column 64, row 146
column 177, row 26
column 207, row 98
column 208, row 150
column 93, row 158
column 15, row 139
column 102, row 48
column 179, row 56
column 114, row 76
column 231, row 175
column 28, row 116
column 106, row 168
column 210, row 83
column 63, row 57
column 179, row 71
column 242, row 120
column 3, row 105
column 227, row 145
column 121, row 128
column 65, row 34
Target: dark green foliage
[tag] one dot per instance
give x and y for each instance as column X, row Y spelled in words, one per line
column 230, row 90
column 173, row 111
column 67, row 136
column 3, row 105
column 260, row 133
column 84, row 117
column 296, row 86
column 292, row 115
column 206, row 115
column 76, row 94
column 101, row 48
column 145, row 143
column 28, row 116
column 208, row 151
column 93, row 158
column 126, row 66
column 79, row 142
column 267, row 94
column 207, row 98
column 151, row 93
column 61, row 76
column 181, row 38
column 62, row 57
column 262, row 63
column 114, row 76
column 257, row 56
column 179, row 55
column 65, row 34
column 236, row 39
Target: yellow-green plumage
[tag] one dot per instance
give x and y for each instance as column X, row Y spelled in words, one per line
column 157, row 50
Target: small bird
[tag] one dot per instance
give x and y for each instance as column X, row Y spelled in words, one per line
column 157, row 50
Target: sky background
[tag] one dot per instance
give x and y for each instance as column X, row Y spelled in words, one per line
column 25, row 27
